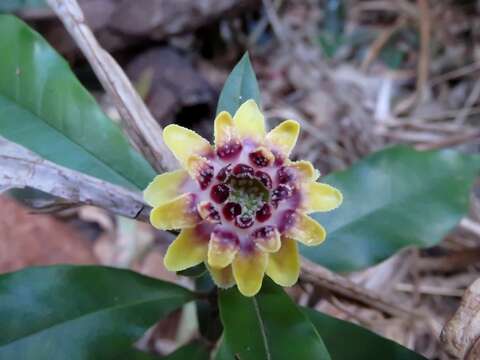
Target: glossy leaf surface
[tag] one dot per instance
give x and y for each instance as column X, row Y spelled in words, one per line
column 395, row 198
column 80, row 312
column 45, row 108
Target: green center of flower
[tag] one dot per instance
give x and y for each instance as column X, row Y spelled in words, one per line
column 249, row 193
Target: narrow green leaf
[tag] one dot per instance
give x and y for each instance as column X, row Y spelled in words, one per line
column 241, row 85
column 347, row 341
column 268, row 326
column 45, row 108
column 394, row 198
column 80, row 312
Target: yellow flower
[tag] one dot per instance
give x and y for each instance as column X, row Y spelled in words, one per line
column 242, row 205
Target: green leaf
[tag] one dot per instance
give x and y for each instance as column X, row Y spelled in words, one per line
column 194, row 272
column 193, row 351
column 241, row 85
column 347, row 341
column 268, row 326
column 394, row 198
column 223, row 352
column 80, row 312
column 45, row 108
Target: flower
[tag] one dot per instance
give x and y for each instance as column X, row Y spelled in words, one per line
column 241, row 205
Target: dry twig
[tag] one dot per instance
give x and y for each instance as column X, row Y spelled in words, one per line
column 340, row 285
column 21, row 168
column 424, row 60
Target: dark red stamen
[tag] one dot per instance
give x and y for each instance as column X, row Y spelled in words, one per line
column 264, row 213
column 285, row 175
column 205, row 175
column 224, row 173
column 264, row 178
column 220, row 193
column 231, row 210
column 229, row 150
column 263, row 233
column 214, row 216
column 244, row 221
column 258, row 158
column 282, row 192
column 242, row 170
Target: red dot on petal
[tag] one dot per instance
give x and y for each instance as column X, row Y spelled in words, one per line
column 263, row 232
column 282, row 192
column 220, row 193
column 231, row 210
column 224, row 173
column 264, row 213
column 285, row 175
column 264, row 178
column 242, row 170
column 244, row 221
column 204, row 176
column 229, row 150
column 259, row 158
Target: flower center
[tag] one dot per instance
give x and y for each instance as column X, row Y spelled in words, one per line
column 249, row 193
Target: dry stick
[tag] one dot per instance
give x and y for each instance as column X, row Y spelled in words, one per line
column 141, row 127
column 272, row 16
column 454, row 140
column 469, row 103
column 380, row 42
column 21, row 168
column 340, row 285
column 424, row 61
column 462, row 71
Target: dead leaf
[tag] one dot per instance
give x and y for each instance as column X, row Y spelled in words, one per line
column 30, row 239
column 461, row 334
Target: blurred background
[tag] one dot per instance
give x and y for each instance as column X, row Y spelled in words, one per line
column 358, row 75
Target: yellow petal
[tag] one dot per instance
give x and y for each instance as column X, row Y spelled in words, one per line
column 306, row 230
column 165, row 187
column 305, row 170
column 248, row 270
column 321, row 197
column 284, row 137
column 284, row 265
column 249, row 121
column 267, row 239
column 224, row 130
column 223, row 278
column 222, row 248
column 178, row 213
column 187, row 250
column 184, row 143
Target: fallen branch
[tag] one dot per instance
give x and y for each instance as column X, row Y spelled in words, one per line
column 138, row 122
column 21, row 168
column 337, row 284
